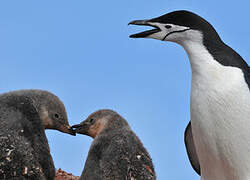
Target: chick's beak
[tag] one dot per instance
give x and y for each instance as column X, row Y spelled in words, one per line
column 76, row 126
column 80, row 128
column 67, row 129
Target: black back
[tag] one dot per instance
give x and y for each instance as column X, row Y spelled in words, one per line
column 226, row 56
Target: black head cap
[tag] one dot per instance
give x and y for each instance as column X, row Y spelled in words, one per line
column 188, row 19
column 183, row 18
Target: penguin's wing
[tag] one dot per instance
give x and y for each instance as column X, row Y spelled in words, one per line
column 190, row 147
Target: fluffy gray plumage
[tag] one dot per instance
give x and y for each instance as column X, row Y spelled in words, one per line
column 24, row 152
column 116, row 152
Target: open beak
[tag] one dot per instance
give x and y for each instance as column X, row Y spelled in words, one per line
column 67, row 129
column 145, row 33
column 76, row 126
column 80, row 128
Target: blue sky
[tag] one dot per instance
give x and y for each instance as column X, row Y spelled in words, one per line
column 80, row 50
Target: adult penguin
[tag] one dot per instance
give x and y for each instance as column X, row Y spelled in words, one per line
column 218, row 138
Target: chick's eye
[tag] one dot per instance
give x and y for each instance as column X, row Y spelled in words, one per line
column 56, row 116
column 168, row 26
column 91, row 120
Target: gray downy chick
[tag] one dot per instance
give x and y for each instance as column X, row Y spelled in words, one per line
column 116, row 152
column 24, row 116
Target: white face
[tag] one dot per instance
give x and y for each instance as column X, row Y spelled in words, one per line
column 174, row 33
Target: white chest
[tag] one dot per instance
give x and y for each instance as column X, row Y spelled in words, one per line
column 220, row 116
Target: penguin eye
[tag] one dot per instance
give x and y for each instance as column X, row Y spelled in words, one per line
column 168, row 26
column 56, row 116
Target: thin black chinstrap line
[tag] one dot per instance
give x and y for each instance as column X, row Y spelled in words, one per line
column 175, row 32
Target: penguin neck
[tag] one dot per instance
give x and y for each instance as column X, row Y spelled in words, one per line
column 201, row 60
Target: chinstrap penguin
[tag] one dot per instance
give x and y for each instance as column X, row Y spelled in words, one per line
column 218, row 137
